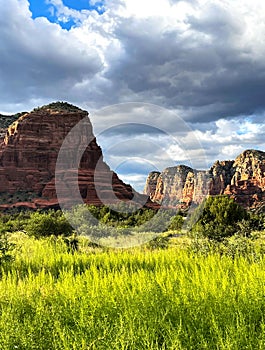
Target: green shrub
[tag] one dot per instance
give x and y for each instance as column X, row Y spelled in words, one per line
column 203, row 246
column 220, row 218
column 5, row 249
column 159, row 242
column 250, row 248
column 158, row 223
column 176, row 222
column 47, row 224
column 59, row 106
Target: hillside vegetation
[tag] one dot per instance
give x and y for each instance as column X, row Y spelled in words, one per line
column 6, row 120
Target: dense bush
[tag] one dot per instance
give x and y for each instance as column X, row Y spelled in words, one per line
column 13, row 222
column 47, row 224
column 116, row 216
column 59, row 106
column 220, row 217
column 5, row 249
column 160, row 222
column 176, row 222
column 251, row 248
column 79, row 216
column 159, row 242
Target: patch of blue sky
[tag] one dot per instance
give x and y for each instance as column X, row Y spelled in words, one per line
column 41, row 8
column 242, row 132
column 244, row 127
column 85, row 5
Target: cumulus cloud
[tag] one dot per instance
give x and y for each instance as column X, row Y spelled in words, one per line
column 39, row 60
column 228, row 139
column 206, row 66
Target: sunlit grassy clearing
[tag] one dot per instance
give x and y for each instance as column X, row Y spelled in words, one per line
column 129, row 299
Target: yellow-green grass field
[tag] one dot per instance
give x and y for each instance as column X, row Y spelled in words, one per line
column 129, row 299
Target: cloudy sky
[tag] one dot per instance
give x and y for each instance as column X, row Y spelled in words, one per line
column 165, row 81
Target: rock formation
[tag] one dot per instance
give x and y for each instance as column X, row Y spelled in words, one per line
column 28, row 156
column 29, row 151
column 247, row 184
column 150, row 185
column 243, row 179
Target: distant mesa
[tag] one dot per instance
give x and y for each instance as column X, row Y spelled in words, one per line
column 28, row 155
column 242, row 179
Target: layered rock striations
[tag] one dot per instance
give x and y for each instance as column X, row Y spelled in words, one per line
column 247, row 184
column 28, row 156
column 170, row 184
column 242, row 178
column 151, row 183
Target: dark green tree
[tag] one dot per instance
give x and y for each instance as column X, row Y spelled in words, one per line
column 220, row 217
column 176, row 222
column 5, row 249
column 47, row 224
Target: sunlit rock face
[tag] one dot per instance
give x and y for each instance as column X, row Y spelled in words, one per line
column 28, row 156
column 247, row 185
column 242, row 178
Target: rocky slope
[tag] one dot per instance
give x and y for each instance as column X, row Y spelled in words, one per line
column 242, row 179
column 28, row 155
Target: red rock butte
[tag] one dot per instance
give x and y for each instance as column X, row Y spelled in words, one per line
column 28, row 155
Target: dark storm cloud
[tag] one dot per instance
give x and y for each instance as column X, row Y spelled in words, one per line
column 130, row 129
column 137, row 118
column 202, row 69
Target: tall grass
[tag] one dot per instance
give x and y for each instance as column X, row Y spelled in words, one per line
column 130, row 299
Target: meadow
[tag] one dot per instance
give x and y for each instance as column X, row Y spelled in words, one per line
column 138, row 298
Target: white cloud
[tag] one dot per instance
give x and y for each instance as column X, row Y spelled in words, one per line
column 64, row 13
column 230, row 152
column 40, row 60
column 229, row 138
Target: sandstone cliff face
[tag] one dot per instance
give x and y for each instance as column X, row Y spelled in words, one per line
column 170, row 184
column 221, row 174
column 196, row 187
column 168, row 187
column 28, row 156
column 247, row 185
column 242, row 179
column 29, row 150
column 151, row 183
